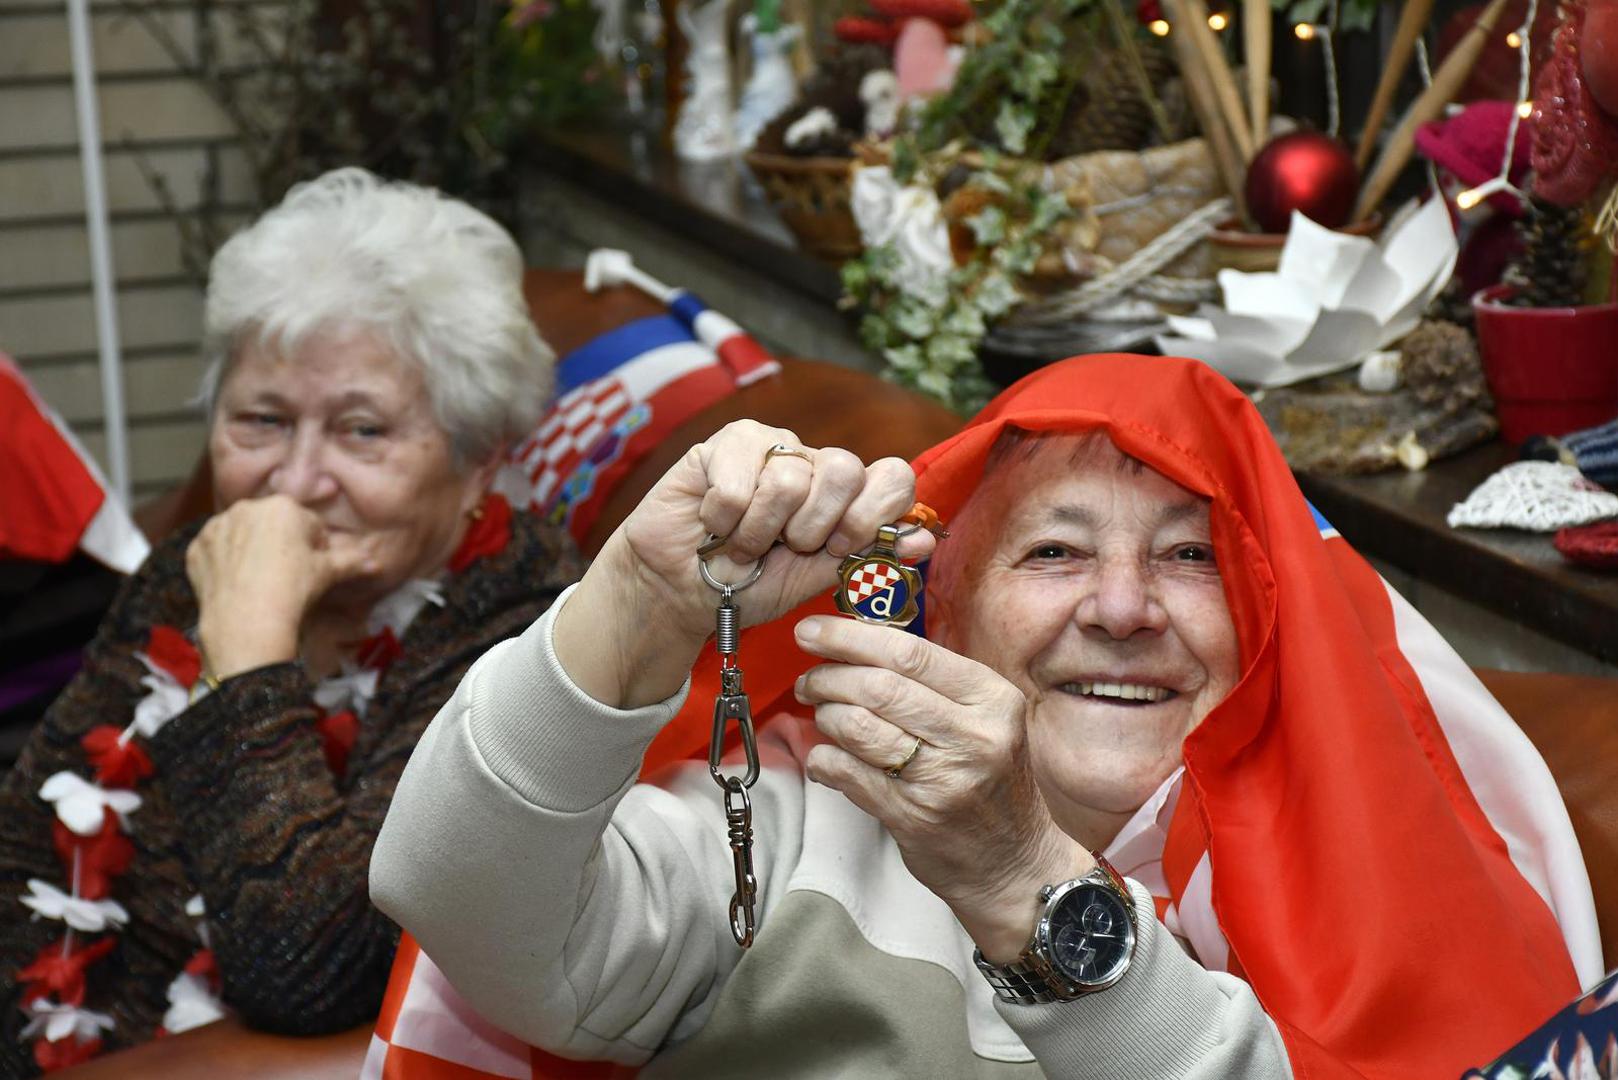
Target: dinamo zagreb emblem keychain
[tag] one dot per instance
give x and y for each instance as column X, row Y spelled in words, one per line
column 876, row 586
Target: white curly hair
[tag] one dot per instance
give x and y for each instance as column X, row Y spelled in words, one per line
column 436, row 280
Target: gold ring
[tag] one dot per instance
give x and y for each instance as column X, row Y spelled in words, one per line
column 783, row 450
column 895, row 770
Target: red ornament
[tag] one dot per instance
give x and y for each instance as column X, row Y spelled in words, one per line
column 1304, row 171
column 488, row 534
column 61, row 975
column 946, row 13
column 338, row 731
column 859, row 30
column 1575, row 143
column 169, row 650
column 64, row 1053
column 1598, row 47
column 1148, row 12
column 102, row 857
column 119, row 762
column 379, row 650
column 205, row 966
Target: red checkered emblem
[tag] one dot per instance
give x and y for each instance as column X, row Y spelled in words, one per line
column 569, row 432
column 870, row 579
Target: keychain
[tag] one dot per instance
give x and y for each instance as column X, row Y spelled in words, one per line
column 876, row 587
column 732, row 705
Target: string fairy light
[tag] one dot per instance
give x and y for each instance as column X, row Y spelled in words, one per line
column 1425, row 67
column 1502, row 182
column 1334, row 116
column 1308, row 32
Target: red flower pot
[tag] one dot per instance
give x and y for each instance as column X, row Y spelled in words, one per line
column 1551, row 370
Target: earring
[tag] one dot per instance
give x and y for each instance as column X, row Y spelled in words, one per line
column 476, row 513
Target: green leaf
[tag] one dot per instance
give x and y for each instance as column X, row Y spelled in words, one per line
column 1358, row 17
column 906, row 358
column 965, row 320
column 1307, row 11
column 1011, row 126
column 874, row 332
column 995, row 295
column 935, row 383
column 913, row 318
column 949, row 351
column 988, row 225
column 991, row 182
column 856, row 277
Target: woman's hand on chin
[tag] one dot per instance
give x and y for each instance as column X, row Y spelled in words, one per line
column 630, row 633
column 965, row 809
column 256, row 568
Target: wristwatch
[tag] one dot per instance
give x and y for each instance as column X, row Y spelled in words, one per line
column 1082, row 943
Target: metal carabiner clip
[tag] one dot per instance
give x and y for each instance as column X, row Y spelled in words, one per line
column 732, row 704
column 739, row 829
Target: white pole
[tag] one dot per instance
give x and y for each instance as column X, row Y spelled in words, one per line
column 101, row 274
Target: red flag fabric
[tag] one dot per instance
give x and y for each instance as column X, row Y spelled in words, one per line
column 1362, row 834
column 47, row 494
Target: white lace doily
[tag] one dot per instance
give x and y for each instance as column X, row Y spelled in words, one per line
column 1541, row 496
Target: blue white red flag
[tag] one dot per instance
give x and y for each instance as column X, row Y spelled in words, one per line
column 618, row 396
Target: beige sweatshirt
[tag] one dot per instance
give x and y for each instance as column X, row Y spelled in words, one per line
column 586, row 914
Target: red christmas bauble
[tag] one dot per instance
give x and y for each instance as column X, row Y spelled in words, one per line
column 1575, row 142
column 1598, row 49
column 1304, row 171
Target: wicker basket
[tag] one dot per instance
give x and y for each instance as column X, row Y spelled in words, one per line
column 811, row 195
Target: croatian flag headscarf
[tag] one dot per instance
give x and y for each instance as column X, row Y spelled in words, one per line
column 1362, row 833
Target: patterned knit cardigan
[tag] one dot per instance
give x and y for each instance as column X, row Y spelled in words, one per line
column 245, row 810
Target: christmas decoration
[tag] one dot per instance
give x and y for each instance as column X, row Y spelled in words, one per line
column 1590, row 545
column 705, row 130
column 1303, row 171
column 1335, row 300
column 772, row 86
column 1553, row 266
column 1598, row 47
column 1575, row 142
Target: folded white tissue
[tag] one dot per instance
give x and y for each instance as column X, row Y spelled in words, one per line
column 1335, row 301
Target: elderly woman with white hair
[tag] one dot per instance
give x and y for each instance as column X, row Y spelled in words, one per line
column 189, row 828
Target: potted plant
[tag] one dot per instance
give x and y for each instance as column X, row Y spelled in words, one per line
column 1547, row 333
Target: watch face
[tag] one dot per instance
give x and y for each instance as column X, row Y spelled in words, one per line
column 1091, row 937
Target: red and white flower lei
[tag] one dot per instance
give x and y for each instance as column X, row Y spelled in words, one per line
column 93, row 817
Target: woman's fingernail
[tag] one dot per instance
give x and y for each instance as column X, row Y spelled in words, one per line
column 808, row 631
column 797, row 690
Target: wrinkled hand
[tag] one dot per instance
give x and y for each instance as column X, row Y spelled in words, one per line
column 257, row 568
column 633, row 628
column 966, row 811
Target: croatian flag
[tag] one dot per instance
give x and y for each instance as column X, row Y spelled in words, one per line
column 53, row 498
column 618, row 396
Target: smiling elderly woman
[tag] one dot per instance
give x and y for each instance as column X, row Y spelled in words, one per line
column 1170, row 785
column 194, row 816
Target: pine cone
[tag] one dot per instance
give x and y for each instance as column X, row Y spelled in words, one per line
column 1551, row 271
column 1112, row 114
column 1440, row 366
column 835, row 85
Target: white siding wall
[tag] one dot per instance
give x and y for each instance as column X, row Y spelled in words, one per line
column 149, row 102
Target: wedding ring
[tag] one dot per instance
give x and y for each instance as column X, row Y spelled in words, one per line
column 783, row 450
column 895, row 770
